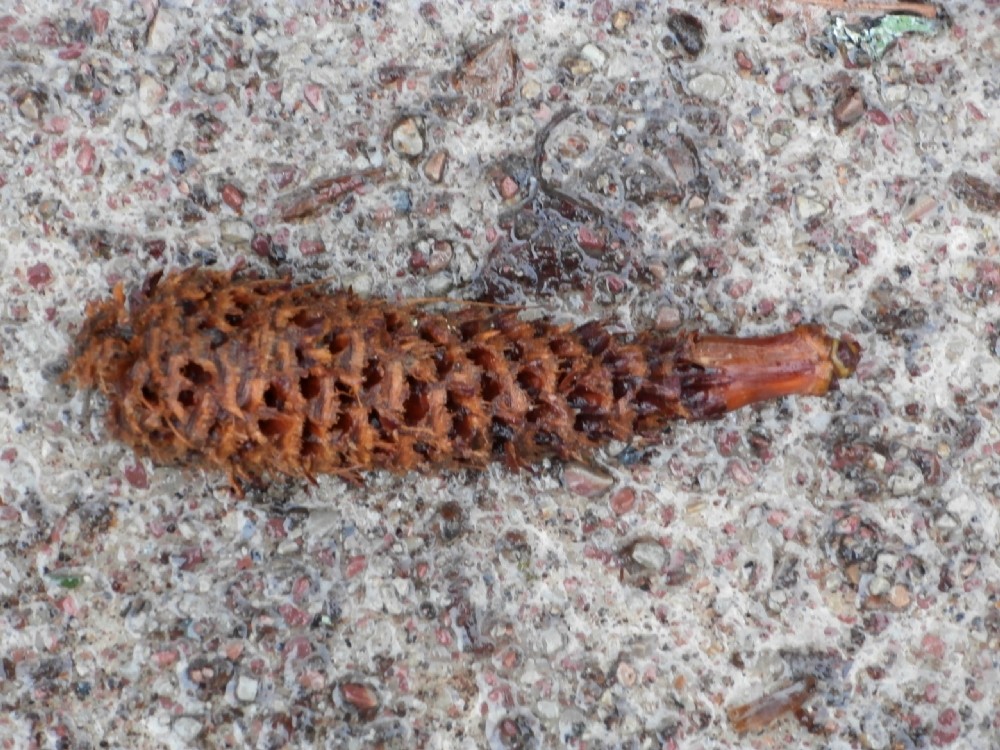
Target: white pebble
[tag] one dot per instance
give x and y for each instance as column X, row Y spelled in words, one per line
column 161, row 33
column 808, row 208
column 593, row 54
column 710, row 86
column 246, row 689
column 649, row 555
column 187, row 728
column 151, row 92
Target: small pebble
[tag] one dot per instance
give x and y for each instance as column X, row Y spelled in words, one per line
column 848, row 108
column 621, row 20
column 187, row 728
column 178, row 161
column 594, row 55
column 235, row 232
column 531, row 89
column 906, row 480
column 802, row 100
column 586, row 482
column 899, row 596
column 246, row 689
column 878, row 586
column 440, row 256
column 710, row 86
column 688, row 31
column 623, row 501
column 362, row 284
column 508, row 187
column 551, row 640
column 668, row 318
column 976, row 193
column 578, row 66
column 233, row 197
column 30, row 106
column 918, row 207
column 407, row 137
column 897, row 93
column 361, row 697
column 39, row 275
column 548, row 710
column 151, row 92
column 491, row 74
column 215, row 82
column 138, row 136
column 649, row 555
column 161, row 33
column 313, row 94
column 434, row 166
column 626, row 674
column 808, row 208
column 440, row 284
column 688, row 265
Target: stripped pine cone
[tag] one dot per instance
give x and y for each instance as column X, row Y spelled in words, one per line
column 263, row 377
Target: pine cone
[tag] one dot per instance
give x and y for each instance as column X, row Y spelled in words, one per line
column 262, row 378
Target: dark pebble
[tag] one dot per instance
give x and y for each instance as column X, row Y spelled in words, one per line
column 688, row 31
column 848, row 108
column 178, row 161
column 976, row 193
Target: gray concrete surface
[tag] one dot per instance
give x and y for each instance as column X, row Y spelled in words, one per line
column 848, row 543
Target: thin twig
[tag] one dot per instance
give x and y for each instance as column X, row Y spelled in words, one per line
column 919, row 9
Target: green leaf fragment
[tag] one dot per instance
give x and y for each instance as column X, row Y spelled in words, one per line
column 68, row 582
column 868, row 42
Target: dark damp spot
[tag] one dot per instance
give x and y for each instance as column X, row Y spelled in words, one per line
column 186, row 397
